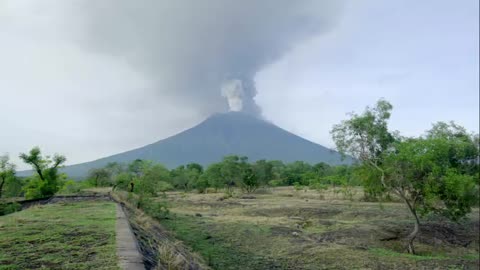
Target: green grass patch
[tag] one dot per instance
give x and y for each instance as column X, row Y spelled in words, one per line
column 381, row 252
column 60, row 236
column 224, row 246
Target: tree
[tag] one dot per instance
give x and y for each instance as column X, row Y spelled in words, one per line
column 426, row 173
column 213, row 174
column 100, row 176
column 151, row 176
column 180, row 178
column 263, row 171
column 46, row 168
column 195, row 167
column 231, row 170
column 122, row 181
column 322, row 169
column 115, row 168
column 249, row 180
column 7, row 172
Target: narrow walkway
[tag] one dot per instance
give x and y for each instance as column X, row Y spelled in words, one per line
column 129, row 258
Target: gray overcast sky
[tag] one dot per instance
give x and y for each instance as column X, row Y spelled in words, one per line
column 88, row 80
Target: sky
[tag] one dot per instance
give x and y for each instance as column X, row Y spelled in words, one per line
column 88, row 79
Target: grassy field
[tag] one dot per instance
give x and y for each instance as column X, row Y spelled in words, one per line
column 287, row 229
column 77, row 235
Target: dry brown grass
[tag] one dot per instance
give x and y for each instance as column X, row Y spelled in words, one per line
column 304, row 230
column 161, row 250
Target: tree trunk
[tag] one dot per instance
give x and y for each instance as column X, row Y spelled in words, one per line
column 416, row 229
column 1, row 187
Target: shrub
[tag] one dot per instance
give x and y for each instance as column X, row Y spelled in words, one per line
column 155, row 209
column 71, row 187
column 298, row 186
column 163, row 186
column 348, row 192
column 8, row 208
column 275, row 183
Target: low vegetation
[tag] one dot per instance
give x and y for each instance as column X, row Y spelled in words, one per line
column 282, row 228
column 60, row 236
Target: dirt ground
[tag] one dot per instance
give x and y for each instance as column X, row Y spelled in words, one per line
column 283, row 228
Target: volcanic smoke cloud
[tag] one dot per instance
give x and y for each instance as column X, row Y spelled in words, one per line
column 198, row 51
column 233, row 91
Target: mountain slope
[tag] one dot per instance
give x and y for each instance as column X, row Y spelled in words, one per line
column 218, row 136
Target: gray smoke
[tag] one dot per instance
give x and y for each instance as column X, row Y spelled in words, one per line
column 191, row 49
column 233, row 91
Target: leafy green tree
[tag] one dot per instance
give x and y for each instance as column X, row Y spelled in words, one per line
column 232, row 168
column 99, row 177
column 278, row 168
column 322, row 169
column 7, row 173
column 428, row 173
column 14, row 187
column 213, row 174
column 122, row 181
column 151, row 176
column 46, row 168
column 249, row 180
column 202, row 183
column 296, row 172
column 180, row 178
column 115, row 168
column 185, row 176
column 263, row 171
column 195, row 167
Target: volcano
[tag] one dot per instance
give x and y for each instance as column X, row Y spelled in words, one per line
column 220, row 135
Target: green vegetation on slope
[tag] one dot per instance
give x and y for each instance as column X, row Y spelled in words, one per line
column 65, row 235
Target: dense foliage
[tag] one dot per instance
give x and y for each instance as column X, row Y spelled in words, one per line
column 47, row 180
column 233, row 172
column 7, row 176
column 434, row 173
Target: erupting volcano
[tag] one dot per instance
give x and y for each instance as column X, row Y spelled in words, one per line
column 233, row 133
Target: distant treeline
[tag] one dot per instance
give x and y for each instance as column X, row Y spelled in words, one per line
column 232, row 172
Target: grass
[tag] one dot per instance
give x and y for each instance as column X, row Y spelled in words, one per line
column 288, row 229
column 77, row 235
column 219, row 245
column 381, row 252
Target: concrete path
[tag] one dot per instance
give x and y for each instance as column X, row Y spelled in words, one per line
column 129, row 258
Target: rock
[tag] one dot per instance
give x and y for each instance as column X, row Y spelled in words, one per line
column 295, row 234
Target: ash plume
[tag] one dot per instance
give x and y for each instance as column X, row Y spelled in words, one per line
column 191, row 50
column 233, row 91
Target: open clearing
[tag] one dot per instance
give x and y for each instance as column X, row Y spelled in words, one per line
column 287, row 229
column 78, row 235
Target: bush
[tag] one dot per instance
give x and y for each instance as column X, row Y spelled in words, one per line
column 348, row 192
column 163, row 186
column 71, row 187
column 155, row 209
column 210, row 190
column 318, row 186
column 33, row 188
column 275, row 183
column 298, row 186
column 8, row 208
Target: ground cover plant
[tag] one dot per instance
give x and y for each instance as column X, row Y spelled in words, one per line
column 77, row 235
column 283, row 228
